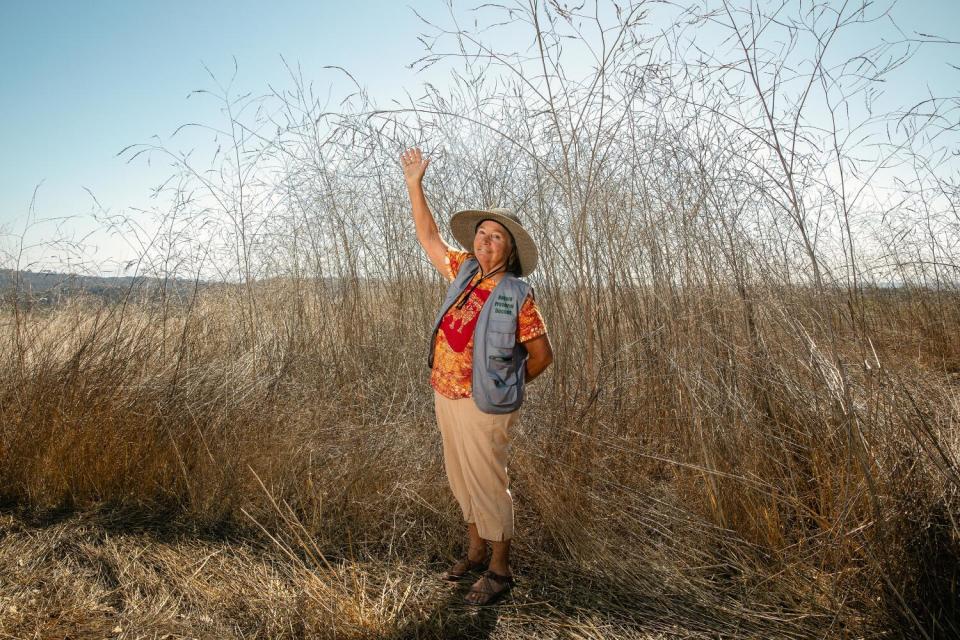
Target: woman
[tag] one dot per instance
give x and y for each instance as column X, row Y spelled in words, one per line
column 488, row 340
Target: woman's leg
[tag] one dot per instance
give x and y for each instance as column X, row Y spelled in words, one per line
column 451, row 426
column 484, row 448
column 476, row 546
column 482, row 444
column 500, row 560
column 475, row 456
column 449, row 423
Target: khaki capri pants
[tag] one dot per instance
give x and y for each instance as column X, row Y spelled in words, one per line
column 475, row 448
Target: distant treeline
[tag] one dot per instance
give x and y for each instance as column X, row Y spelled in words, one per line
column 50, row 289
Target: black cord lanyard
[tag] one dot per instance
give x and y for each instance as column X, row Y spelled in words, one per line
column 463, row 301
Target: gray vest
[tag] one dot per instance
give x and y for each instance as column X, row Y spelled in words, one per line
column 499, row 361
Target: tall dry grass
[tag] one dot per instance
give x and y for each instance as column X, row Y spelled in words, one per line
column 758, row 495
column 750, row 427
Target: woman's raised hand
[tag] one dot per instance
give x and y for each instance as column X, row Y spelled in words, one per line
column 414, row 165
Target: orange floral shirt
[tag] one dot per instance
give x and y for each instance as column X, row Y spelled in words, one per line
column 452, row 374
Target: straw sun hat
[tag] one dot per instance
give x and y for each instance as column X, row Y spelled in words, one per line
column 464, row 224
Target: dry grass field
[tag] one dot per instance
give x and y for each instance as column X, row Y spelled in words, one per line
column 164, row 478
column 749, row 273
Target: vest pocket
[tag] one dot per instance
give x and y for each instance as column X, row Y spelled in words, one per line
column 502, row 361
column 502, row 372
column 502, row 334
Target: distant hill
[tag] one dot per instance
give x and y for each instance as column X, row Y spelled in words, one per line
column 46, row 288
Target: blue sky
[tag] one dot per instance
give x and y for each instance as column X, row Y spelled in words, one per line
column 82, row 80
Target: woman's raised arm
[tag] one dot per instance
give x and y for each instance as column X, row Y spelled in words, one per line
column 414, row 166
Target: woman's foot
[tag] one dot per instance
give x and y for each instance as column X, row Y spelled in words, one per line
column 489, row 588
column 473, row 560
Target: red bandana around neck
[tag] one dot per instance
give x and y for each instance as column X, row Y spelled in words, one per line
column 458, row 324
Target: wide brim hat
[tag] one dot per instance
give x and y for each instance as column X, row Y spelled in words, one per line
column 463, row 224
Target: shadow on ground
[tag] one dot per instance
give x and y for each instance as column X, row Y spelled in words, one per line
column 453, row 618
column 88, row 573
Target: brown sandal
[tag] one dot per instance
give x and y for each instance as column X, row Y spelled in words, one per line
column 485, row 586
column 463, row 566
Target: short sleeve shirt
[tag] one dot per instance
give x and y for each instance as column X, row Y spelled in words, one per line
column 452, row 374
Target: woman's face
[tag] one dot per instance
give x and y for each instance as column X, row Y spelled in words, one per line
column 491, row 245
